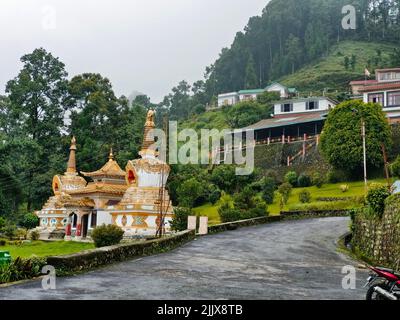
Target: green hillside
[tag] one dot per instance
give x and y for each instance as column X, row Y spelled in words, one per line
column 330, row 72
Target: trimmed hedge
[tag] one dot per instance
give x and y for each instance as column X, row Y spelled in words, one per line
column 90, row 259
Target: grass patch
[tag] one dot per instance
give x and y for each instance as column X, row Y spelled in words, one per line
column 356, row 189
column 45, row 249
column 209, row 210
column 329, row 72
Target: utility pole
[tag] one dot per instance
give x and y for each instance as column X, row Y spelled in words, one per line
column 364, row 153
column 385, row 160
column 364, row 142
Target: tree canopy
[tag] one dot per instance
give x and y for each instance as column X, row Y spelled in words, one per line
column 341, row 139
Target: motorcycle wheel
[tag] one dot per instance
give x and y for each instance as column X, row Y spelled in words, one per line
column 373, row 295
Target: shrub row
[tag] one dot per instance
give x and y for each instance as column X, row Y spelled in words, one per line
column 21, row 269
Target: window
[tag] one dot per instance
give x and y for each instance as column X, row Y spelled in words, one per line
column 312, row 105
column 376, row 98
column 287, row 107
column 393, row 98
column 388, row 76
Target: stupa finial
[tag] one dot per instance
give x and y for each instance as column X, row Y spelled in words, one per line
column 71, row 167
column 111, row 155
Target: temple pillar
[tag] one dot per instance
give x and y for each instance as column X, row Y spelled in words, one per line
column 68, row 230
column 78, row 233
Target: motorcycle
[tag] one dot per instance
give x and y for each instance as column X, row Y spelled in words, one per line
column 384, row 284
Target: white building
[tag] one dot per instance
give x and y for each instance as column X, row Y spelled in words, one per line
column 303, row 105
column 385, row 90
column 230, row 99
column 283, row 91
column 248, row 95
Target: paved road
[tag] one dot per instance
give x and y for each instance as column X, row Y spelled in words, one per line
column 287, row 260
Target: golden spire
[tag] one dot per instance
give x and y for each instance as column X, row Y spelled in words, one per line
column 148, row 140
column 111, row 155
column 71, row 168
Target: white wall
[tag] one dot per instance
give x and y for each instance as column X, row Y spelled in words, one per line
column 243, row 97
column 279, row 88
column 231, row 100
column 385, row 99
column 300, row 107
column 103, row 217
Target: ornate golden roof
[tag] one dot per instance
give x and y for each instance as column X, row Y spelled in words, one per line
column 110, row 169
column 64, row 200
column 101, row 187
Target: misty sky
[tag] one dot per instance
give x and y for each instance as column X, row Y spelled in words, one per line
column 144, row 45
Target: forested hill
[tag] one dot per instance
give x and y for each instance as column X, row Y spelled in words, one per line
column 288, row 35
column 291, row 33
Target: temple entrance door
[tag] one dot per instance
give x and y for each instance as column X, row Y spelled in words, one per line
column 85, row 225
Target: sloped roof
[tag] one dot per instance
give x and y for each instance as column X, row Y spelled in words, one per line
column 251, row 91
column 111, row 169
column 101, row 187
column 361, row 82
column 287, row 120
column 381, row 86
column 275, row 83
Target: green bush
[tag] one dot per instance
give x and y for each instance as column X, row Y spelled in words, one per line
column 189, row 191
column 341, row 143
column 285, row 189
column 21, row 269
column 259, row 211
column 317, row 180
column 10, row 231
column 30, row 221
column 335, row 176
column 268, row 190
column 2, row 223
column 291, row 177
column 107, row 235
column 304, row 181
column 180, row 220
column 305, row 196
column 395, row 167
column 376, row 197
column 3, row 242
column 214, row 194
column 21, row 234
column 34, row 235
column 228, row 214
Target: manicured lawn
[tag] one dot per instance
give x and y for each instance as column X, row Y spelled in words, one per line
column 43, row 249
column 210, row 211
column 356, row 189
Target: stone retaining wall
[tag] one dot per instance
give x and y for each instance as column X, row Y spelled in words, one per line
column 90, row 259
column 378, row 239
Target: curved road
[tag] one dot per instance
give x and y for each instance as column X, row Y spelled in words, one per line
column 287, row 260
